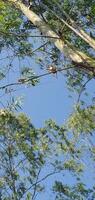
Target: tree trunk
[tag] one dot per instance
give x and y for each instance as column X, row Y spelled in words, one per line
column 75, row 28
column 68, row 49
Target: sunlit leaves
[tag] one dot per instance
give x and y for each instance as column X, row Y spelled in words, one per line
column 19, row 140
column 67, row 192
column 73, row 166
column 12, row 32
column 83, row 120
column 30, row 149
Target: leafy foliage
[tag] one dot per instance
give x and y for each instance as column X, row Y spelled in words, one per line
column 20, row 154
column 26, row 151
column 78, row 192
column 83, row 120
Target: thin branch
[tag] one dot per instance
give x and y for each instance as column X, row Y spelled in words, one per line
column 32, row 78
column 18, row 54
column 82, row 89
column 34, row 193
column 10, row 84
column 44, row 178
column 40, row 47
column 48, row 73
column 25, row 34
column 20, row 162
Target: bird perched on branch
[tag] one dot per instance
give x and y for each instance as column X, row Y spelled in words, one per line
column 52, row 69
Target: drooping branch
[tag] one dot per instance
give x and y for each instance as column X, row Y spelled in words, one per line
column 70, row 51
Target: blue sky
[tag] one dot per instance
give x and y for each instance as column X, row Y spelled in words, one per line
column 48, row 100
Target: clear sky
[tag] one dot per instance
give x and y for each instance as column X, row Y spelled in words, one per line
column 48, row 100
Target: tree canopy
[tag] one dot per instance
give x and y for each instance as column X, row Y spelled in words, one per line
column 56, row 36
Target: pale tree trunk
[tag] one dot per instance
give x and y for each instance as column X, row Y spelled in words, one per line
column 68, row 50
column 75, row 28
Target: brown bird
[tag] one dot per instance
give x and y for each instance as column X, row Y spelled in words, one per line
column 52, row 69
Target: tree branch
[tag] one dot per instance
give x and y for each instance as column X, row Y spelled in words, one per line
column 34, row 193
column 23, row 80
column 75, row 55
column 82, row 89
column 37, row 182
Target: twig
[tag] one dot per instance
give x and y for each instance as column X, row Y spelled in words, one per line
column 82, row 89
column 45, row 177
column 34, row 193
column 25, row 34
column 32, row 78
column 17, row 54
